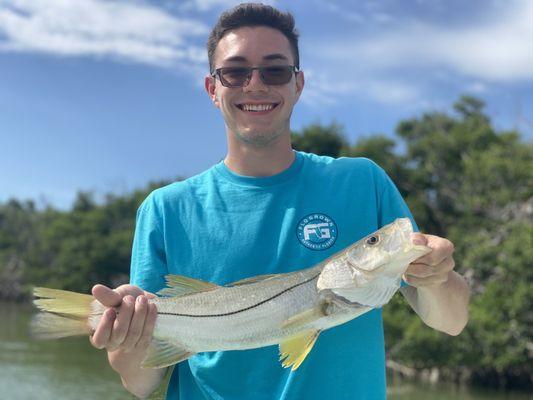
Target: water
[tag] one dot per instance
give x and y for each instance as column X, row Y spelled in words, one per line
column 72, row 369
column 46, row 370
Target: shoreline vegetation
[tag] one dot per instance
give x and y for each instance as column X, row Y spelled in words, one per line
column 462, row 178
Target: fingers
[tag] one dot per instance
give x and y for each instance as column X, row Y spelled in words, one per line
column 100, row 337
column 137, row 324
column 128, row 329
column 122, row 323
column 428, row 281
column 108, row 297
column 148, row 329
column 113, row 297
column 426, row 275
column 442, row 248
column 421, row 270
column 419, row 238
column 124, row 290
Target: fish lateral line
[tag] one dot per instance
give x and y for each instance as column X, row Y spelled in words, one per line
column 246, row 308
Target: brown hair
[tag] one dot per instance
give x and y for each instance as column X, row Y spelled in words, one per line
column 253, row 14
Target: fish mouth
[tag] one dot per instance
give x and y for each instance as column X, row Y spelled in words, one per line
column 405, row 227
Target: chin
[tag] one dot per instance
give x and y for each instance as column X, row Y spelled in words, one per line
column 259, row 139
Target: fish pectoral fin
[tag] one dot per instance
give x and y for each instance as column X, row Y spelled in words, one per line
column 178, row 285
column 304, row 318
column 292, row 351
column 324, row 308
column 161, row 354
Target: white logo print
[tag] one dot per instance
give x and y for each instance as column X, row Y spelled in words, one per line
column 320, row 230
column 317, row 231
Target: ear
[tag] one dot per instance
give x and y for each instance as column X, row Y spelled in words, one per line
column 210, row 87
column 300, row 82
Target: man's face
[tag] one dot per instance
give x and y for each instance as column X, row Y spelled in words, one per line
column 255, row 47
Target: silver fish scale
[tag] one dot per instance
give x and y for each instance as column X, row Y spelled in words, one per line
column 255, row 314
column 228, row 299
column 243, row 316
column 265, row 311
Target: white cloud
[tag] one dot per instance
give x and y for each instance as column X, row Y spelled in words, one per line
column 398, row 65
column 323, row 90
column 392, row 91
column 477, row 87
column 370, row 13
column 500, row 50
column 131, row 31
column 352, row 16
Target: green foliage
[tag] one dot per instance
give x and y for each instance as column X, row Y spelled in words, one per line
column 68, row 250
column 465, row 181
column 474, row 186
column 461, row 178
column 324, row 140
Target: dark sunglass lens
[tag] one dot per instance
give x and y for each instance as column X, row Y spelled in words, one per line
column 277, row 75
column 234, row 76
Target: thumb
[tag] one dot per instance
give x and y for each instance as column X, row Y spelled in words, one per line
column 108, row 297
column 419, row 238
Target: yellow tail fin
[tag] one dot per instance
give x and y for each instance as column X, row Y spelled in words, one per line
column 52, row 326
column 65, row 313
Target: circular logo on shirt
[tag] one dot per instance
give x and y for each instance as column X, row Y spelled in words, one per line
column 317, row 231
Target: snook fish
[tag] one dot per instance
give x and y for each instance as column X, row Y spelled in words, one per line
column 289, row 309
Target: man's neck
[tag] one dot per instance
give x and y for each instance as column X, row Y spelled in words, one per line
column 244, row 159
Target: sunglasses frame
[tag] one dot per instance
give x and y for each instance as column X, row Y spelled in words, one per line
column 251, row 70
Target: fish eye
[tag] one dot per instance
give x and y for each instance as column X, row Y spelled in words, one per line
column 372, row 240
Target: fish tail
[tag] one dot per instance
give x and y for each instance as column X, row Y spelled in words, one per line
column 64, row 313
column 52, row 326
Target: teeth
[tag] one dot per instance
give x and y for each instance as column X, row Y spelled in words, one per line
column 257, row 107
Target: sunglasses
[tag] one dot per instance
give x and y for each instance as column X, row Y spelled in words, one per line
column 234, row 77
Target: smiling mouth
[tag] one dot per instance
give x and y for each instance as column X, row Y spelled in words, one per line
column 257, row 108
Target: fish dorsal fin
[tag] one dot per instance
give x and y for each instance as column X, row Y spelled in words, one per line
column 292, row 351
column 253, row 279
column 161, row 354
column 178, row 285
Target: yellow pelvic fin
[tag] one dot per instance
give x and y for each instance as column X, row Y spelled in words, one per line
column 71, row 304
column 294, row 350
column 161, row 392
column 161, row 354
column 178, row 285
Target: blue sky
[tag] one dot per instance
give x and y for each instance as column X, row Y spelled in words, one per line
column 105, row 95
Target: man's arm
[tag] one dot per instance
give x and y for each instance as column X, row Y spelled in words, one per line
column 437, row 293
column 126, row 336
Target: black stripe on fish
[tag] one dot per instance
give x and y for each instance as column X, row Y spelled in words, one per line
column 243, row 309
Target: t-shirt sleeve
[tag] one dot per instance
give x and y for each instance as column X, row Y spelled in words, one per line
column 391, row 204
column 148, row 259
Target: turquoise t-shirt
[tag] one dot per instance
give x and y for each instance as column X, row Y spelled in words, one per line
column 222, row 227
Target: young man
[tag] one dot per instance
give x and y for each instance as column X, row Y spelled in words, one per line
column 248, row 215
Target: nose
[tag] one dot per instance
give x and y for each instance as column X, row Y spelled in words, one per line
column 255, row 84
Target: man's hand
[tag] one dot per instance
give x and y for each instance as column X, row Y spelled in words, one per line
column 129, row 329
column 435, row 267
column 437, row 293
column 125, row 330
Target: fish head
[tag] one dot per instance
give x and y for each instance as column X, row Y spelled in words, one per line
column 380, row 258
